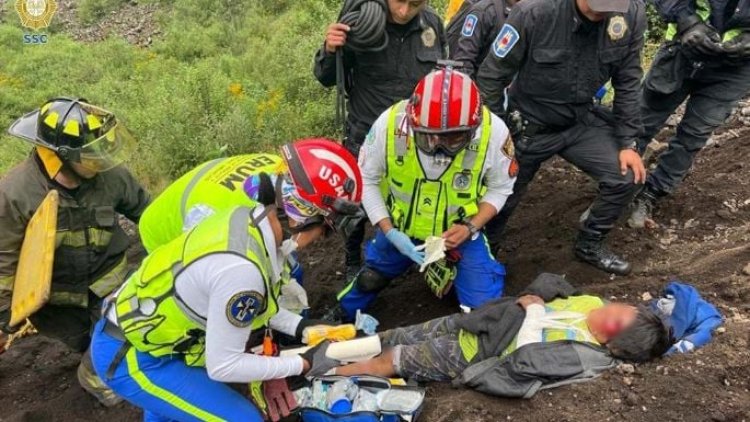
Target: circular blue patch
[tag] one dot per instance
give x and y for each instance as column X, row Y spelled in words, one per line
column 243, row 307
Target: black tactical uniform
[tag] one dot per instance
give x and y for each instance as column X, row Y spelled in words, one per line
column 470, row 38
column 377, row 80
column 712, row 83
column 559, row 59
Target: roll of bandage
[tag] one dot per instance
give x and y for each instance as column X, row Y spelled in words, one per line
column 346, row 351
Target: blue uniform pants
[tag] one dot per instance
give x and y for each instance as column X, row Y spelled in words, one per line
column 479, row 278
column 166, row 388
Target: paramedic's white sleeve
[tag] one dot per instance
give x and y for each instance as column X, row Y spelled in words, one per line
column 372, row 164
column 285, row 321
column 226, row 360
column 496, row 172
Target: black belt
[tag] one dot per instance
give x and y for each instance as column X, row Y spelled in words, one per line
column 116, row 332
column 113, row 331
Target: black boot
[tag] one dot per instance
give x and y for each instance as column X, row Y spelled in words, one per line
column 642, row 209
column 590, row 248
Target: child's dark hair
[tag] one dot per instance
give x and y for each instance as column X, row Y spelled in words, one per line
column 645, row 339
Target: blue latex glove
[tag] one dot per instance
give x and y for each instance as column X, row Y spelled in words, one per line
column 404, row 245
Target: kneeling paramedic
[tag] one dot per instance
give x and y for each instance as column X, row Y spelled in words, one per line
column 438, row 164
column 176, row 331
column 228, row 182
column 77, row 149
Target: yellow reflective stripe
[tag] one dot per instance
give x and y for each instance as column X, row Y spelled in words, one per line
column 51, row 120
column 146, row 385
column 69, row 299
column 71, row 128
column 77, row 239
column 6, row 282
column 348, row 288
column 110, row 281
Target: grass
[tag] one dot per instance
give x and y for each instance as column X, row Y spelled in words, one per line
column 224, row 77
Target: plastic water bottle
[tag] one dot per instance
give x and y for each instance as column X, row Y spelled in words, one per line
column 340, row 396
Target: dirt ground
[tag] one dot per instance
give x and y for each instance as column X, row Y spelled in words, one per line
column 703, row 239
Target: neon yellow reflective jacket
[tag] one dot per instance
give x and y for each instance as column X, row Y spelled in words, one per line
column 216, row 184
column 584, row 304
column 421, row 207
column 703, row 11
column 155, row 320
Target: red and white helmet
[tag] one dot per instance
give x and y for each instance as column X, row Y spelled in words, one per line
column 325, row 174
column 445, row 111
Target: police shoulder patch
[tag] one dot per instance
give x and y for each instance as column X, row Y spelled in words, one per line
column 243, row 307
column 428, row 37
column 470, row 23
column 505, row 41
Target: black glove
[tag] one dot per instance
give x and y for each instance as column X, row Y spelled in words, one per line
column 319, row 362
column 738, row 47
column 266, row 190
column 345, row 224
column 698, row 36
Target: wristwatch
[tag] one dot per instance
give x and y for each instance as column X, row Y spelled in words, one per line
column 473, row 230
column 630, row 145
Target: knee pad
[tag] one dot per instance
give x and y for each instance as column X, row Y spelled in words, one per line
column 369, row 280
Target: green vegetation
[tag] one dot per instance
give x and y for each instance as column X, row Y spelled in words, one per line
column 223, row 77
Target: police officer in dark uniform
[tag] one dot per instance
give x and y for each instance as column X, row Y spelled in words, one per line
column 706, row 58
column 560, row 52
column 378, row 79
column 471, row 32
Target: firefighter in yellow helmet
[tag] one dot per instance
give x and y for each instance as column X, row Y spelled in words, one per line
column 77, row 149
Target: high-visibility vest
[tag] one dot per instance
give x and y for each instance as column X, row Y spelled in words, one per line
column 149, row 312
column 420, row 207
column 217, row 184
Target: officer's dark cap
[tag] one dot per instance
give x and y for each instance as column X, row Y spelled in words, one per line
column 609, row 6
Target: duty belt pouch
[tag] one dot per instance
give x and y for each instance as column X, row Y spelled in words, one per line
column 667, row 70
column 311, row 413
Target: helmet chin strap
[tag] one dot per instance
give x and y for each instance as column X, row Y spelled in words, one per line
column 51, row 162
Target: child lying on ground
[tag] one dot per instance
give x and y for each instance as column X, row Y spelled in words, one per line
column 514, row 347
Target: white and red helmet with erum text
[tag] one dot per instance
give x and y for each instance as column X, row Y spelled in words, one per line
column 444, row 112
column 325, row 174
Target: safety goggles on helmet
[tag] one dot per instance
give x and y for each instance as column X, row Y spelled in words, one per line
column 449, row 143
column 105, row 152
column 77, row 132
column 296, row 207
